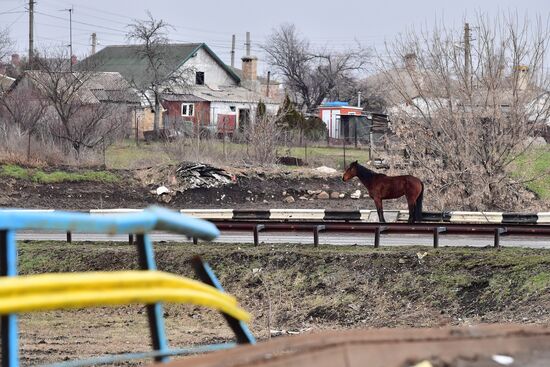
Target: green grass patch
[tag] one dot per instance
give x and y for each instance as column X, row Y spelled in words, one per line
column 11, row 170
column 43, row 177
column 534, row 167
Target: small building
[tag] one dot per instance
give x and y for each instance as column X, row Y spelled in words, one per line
column 351, row 123
column 339, row 116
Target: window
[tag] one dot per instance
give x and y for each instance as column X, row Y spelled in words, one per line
column 187, row 109
column 232, row 108
column 199, row 78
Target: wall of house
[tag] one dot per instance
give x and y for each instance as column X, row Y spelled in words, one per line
column 224, row 108
column 214, row 75
column 201, row 111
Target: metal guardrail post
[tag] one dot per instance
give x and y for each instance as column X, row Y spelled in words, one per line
column 206, row 275
column 257, row 229
column 9, row 329
column 377, row 233
column 69, row 237
column 498, row 232
column 316, row 231
column 437, row 231
column 155, row 314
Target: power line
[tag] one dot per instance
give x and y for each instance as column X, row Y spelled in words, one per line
column 83, row 23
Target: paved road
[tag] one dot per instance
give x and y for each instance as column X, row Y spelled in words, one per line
column 302, row 238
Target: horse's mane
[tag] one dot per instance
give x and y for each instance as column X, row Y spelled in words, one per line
column 364, row 172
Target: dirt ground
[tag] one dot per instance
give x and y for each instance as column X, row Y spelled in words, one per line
column 252, row 189
column 293, row 289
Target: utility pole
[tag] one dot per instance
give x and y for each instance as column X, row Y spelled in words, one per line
column 247, row 43
column 70, row 10
column 94, row 42
column 31, row 32
column 233, row 51
column 467, row 53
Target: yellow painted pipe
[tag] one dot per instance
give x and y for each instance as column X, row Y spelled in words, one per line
column 72, row 299
column 42, row 292
column 102, row 280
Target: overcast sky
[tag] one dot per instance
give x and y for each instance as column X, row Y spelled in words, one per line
column 330, row 24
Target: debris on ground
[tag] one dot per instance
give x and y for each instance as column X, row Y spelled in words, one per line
column 356, row 194
column 290, row 161
column 199, row 175
column 326, row 170
column 162, row 190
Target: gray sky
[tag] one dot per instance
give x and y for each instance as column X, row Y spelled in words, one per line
column 328, row 24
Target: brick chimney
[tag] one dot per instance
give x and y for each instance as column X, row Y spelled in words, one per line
column 250, row 73
column 15, row 60
column 250, row 67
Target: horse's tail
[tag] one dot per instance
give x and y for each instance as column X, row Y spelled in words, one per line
column 418, row 205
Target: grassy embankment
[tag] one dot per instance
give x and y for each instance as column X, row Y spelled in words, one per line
column 48, row 177
column 330, row 287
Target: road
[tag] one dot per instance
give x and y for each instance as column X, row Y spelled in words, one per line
column 304, row 238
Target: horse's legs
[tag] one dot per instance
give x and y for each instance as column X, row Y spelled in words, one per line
column 380, row 210
column 411, row 214
column 412, row 205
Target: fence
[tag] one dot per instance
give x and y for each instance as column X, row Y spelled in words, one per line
column 21, row 294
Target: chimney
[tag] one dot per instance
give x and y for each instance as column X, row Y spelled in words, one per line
column 410, row 61
column 15, row 60
column 250, row 73
column 74, row 60
column 250, row 68
column 522, row 76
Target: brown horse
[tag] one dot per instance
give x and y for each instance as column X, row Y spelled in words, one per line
column 382, row 187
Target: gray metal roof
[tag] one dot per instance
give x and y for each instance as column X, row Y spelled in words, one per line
column 127, row 60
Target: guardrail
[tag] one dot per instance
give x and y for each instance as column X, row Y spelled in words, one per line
column 377, row 229
column 317, row 221
column 363, row 215
column 20, row 294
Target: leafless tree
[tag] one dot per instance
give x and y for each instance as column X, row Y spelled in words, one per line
column 151, row 34
column 76, row 116
column 263, row 137
column 311, row 75
column 5, row 43
column 465, row 114
column 22, row 108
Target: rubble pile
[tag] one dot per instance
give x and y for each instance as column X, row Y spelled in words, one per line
column 200, row 175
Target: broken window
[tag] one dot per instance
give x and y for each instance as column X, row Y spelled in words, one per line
column 187, row 109
column 199, row 78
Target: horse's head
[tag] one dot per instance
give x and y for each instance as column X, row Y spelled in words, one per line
column 350, row 172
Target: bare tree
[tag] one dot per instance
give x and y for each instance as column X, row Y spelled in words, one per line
column 311, row 75
column 263, row 136
column 22, row 108
column 465, row 113
column 81, row 119
column 5, row 43
column 152, row 35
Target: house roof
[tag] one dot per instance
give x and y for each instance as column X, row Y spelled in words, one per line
column 5, row 82
column 261, row 79
column 97, row 87
column 231, row 94
column 126, row 60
